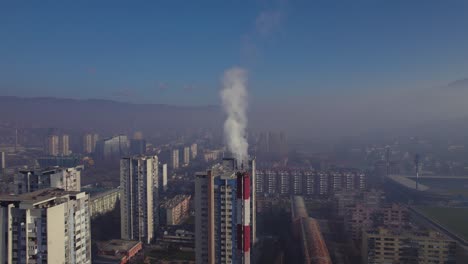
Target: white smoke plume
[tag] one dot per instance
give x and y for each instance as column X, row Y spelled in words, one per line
column 234, row 100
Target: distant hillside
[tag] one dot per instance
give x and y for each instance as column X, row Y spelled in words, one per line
column 106, row 116
column 458, row 84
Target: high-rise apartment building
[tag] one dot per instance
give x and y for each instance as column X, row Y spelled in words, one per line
column 225, row 223
column 68, row 179
column 2, row 163
column 163, row 176
column 52, row 145
column 139, row 197
column 175, row 159
column 194, row 150
column 186, row 156
column 89, row 142
column 112, row 148
column 64, row 145
column 45, row 226
column 395, row 246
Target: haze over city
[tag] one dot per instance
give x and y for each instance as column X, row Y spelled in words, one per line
column 265, row 131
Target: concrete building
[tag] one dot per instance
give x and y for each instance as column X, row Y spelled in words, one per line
column 103, row 202
column 139, row 197
column 64, row 145
column 395, row 246
column 194, row 150
column 89, row 142
column 225, row 223
column 112, row 148
column 175, row 159
column 68, row 179
column 163, row 176
column 277, row 182
column 175, row 210
column 361, row 217
column 52, row 145
column 45, row 226
column 186, row 156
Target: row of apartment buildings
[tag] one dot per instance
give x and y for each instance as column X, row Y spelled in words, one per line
column 386, row 234
column 307, row 182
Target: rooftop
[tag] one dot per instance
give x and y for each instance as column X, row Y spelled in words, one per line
column 38, row 196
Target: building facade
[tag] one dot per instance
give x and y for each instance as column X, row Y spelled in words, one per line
column 175, row 159
column 139, row 197
column 89, row 142
column 194, row 150
column 225, row 223
column 394, row 246
column 52, row 145
column 163, row 176
column 46, row 226
column 64, row 145
column 186, row 156
column 104, row 202
column 175, row 210
column 274, row 182
column 112, row 148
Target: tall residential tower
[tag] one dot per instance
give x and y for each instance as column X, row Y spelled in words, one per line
column 225, row 223
column 45, row 226
column 139, row 197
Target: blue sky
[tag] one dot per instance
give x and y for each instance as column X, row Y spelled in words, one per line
column 175, row 52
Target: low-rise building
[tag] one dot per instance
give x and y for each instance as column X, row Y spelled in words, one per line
column 175, row 210
column 117, row 251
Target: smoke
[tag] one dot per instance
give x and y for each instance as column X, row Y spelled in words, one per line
column 234, row 100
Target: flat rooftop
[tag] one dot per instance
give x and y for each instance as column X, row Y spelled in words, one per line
column 38, row 196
